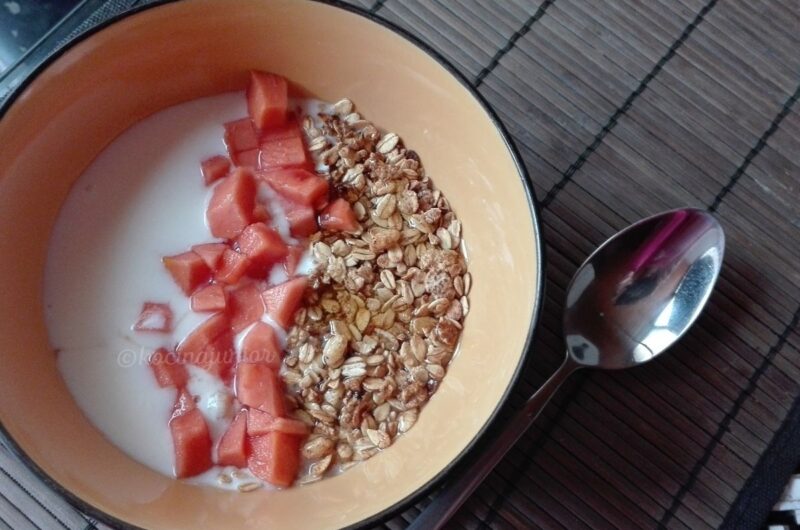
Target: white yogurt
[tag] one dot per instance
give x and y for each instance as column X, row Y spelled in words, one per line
column 306, row 264
column 277, row 274
column 141, row 199
column 213, row 399
column 277, row 214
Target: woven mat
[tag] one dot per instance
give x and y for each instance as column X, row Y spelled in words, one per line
column 622, row 109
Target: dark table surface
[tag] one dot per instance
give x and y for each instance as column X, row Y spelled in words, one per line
column 24, row 22
column 621, row 109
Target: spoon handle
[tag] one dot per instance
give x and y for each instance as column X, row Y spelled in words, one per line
column 458, row 490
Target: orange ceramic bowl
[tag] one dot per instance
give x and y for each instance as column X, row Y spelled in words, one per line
column 72, row 107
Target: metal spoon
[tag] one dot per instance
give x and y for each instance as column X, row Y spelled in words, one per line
column 629, row 301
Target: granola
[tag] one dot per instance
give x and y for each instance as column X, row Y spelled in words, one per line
column 387, row 305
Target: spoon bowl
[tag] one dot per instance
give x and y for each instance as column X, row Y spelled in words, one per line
column 631, row 299
column 640, row 291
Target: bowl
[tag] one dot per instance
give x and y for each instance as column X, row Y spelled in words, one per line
column 64, row 114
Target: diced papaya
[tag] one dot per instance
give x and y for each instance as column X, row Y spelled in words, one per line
column 154, row 317
column 192, row 442
column 240, row 135
column 290, row 426
column 275, row 458
column 338, row 216
column 261, row 213
column 209, row 299
column 298, row 185
column 292, row 260
column 188, row 270
column 267, row 99
column 214, row 168
column 262, row 245
column 211, row 253
column 231, row 207
column 283, row 147
column 247, row 159
column 245, row 306
column 261, row 345
column 258, row 386
column 209, row 346
column 281, row 301
column 167, row 370
column 260, row 423
column 302, row 219
column 232, row 448
column 234, row 265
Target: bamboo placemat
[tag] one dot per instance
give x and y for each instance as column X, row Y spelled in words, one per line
column 622, row 109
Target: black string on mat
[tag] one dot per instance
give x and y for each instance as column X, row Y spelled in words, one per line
column 626, row 105
column 762, row 142
column 752, row 383
column 378, row 4
column 512, row 41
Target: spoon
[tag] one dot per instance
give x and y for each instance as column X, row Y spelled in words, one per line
column 630, row 300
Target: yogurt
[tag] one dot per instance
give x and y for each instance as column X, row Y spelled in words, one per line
column 141, row 199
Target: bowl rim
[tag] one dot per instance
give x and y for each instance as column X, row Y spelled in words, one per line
column 494, row 419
